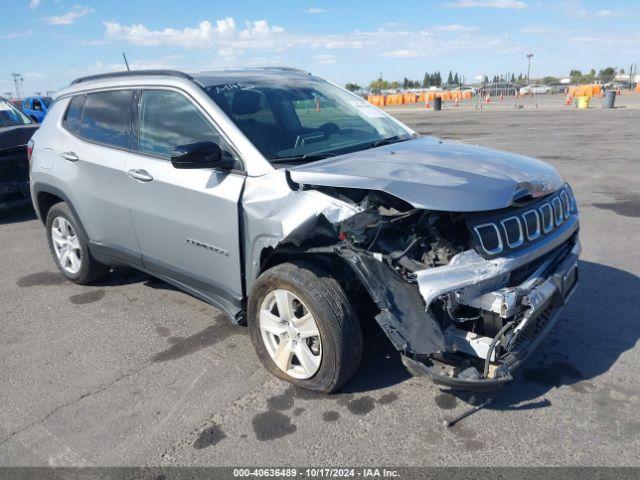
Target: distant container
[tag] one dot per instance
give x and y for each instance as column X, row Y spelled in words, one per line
column 437, row 104
column 609, row 99
column 583, row 101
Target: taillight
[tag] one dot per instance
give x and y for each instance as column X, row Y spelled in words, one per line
column 29, row 150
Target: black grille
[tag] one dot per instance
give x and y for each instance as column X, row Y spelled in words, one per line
column 498, row 233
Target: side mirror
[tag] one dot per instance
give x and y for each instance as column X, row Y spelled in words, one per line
column 199, row 155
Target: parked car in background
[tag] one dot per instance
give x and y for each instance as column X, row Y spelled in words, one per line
column 36, row 107
column 496, row 89
column 16, row 130
column 295, row 206
column 535, row 90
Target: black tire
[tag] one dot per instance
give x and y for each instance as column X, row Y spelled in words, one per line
column 339, row 327
column 90, row 269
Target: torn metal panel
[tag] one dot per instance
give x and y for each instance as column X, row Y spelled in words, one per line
column 469, row 342
column 438, row 175
column 273, row 212
column 402, row 316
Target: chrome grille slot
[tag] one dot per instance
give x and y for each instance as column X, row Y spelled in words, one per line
column 513, row 231
column 557, row 211
column 532, row 224
column 547, row 217
column 490, row 238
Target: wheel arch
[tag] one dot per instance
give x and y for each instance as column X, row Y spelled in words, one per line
column 46, row 196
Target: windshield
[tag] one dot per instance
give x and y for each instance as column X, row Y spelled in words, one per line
column 303, row 118
column 10, row 116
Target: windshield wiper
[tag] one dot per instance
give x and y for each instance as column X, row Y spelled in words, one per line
column 302, row 158
column 386, row 141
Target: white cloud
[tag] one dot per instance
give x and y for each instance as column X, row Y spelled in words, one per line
column 241, row 45
column 607, row 13
column 401, row 53
column 16, row 34
column 34, row 4
column 70, row 17
column 514, row 4
column 205, row 34
column 534, row 30
column 325, row 59
column 453, row 28
column 314, row 10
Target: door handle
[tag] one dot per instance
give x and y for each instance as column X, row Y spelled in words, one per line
column 71, row 156
column 140, row 175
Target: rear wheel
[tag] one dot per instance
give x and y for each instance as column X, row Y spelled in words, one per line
column 70, row 247
column 303, row 327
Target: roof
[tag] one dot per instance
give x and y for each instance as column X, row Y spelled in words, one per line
column 132, row 73
column 221, row 74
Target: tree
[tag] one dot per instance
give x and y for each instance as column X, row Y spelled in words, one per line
column 607, row 74
column 394, row 85
column 405, row 83
column 456, row 79
column 513, row 78
column 549, row 79
column 379, row 84
column 353, row 87
column 425, row 81
column 450, row 78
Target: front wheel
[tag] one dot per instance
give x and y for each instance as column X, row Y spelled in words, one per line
column 303, row 327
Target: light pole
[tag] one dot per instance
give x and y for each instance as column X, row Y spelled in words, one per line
column 529, row 56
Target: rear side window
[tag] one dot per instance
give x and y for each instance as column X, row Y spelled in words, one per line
column 169, row 119
column 72, row 117
column 107, row 118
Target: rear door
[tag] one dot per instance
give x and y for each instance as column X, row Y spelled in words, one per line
column 186, row 221
column 92, row 164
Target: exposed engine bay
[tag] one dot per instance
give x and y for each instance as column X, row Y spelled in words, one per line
column 407, row 239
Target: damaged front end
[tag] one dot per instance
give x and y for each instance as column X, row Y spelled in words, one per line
column 460, row 310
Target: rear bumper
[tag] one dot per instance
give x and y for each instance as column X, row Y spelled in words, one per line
column 533, row 308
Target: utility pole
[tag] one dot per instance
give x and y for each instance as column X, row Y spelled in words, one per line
column 17, row 83
column 529, row 57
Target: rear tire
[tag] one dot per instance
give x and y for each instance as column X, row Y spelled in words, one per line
column 321, row 296
column 69, row 247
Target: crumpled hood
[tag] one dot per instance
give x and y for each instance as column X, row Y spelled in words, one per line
column 435, row 174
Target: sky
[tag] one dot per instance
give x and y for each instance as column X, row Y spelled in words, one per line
column 51, row 42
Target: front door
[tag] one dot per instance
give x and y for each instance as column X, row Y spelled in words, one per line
column 186, row 221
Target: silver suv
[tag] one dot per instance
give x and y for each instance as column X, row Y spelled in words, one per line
column 299, row 208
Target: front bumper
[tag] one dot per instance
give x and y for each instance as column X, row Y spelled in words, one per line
column 471, row 361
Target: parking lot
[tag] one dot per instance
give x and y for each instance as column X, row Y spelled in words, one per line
column 133, row 372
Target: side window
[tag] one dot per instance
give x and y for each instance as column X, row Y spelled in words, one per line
column 169, row 119
column 106, row 118
column 73, row 115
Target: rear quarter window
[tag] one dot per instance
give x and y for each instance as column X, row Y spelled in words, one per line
column 106, row 118
column 73, row 115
